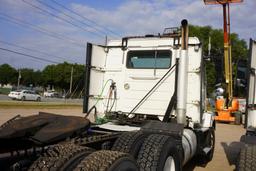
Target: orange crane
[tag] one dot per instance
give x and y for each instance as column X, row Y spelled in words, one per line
column 225, row 107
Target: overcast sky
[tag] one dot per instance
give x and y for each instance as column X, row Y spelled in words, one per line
column 65, row 34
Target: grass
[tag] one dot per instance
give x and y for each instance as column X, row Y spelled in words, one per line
column 37, row 105
column 4, row 90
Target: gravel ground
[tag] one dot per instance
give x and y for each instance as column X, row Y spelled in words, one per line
column 227, row 144
column 227, row 148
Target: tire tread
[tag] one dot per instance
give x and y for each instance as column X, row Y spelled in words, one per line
column 100, row 160
column 57, row 156
column 247, row 160
column 127, row 141
column 150, row 151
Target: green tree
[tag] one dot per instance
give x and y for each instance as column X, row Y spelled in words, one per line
column 239, row 50
column 8, row 74
column 59, row 75
column 26, row 76
column 38, row 78
column 49, row 75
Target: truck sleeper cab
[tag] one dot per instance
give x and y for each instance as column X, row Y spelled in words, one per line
column 135, row 79
column 136, row 68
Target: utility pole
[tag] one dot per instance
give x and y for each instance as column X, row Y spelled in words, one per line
column 19, row 77
column 71, row 80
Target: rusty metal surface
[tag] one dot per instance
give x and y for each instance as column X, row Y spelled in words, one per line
column 42, row 129
column 209, row 2
column 22, row 127
column 61, row 128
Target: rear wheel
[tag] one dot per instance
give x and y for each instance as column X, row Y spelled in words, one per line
column 130, row 142
column 210, row 144
column 247, row 160
column 38, row 99
column 160, row 153
column 108, row 161
column 61, row 157
column 203, row 158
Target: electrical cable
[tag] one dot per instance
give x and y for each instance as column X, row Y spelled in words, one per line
column 109, row 98
column 73, row 18
column 111, row 92
column 98, row 99
column 85, row 18
column 44, row 53
column 24, row 24
column 78, row 81
column 102, row 90
column 115, row 98
column 45, row 12
column 89, row 111
column 30, row 56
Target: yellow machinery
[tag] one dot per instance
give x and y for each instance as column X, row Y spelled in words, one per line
column 224, row 107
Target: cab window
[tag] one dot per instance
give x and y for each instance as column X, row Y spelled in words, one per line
column 152, row 59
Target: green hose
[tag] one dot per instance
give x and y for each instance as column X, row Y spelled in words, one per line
column 103, row 88
column 103, row 119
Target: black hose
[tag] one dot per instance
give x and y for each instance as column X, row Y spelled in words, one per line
column 95, row 111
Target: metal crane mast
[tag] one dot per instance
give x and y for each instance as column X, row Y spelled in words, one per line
column 227, row 42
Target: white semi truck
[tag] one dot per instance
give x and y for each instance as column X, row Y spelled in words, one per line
column 247, row 160
column 151, row 92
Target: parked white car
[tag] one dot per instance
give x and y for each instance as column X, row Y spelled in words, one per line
column 24, row 95
column 50, row 93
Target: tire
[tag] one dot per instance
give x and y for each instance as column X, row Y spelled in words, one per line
column 130, row 142
column 210, row 143
column 247, row 159
column 38, row 99
column 106, row 160
column 61, row 157
column 202, row 158
column 160, row 153
column 23, row 98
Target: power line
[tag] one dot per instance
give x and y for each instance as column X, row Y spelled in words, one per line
column 44, row 53
column 85, row 18
column 60, row 18
column 24, row 24
column 30, row 56
column 73, row 18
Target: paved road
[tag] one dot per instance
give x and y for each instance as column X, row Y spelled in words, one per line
column 6, row 98
column 227, row 148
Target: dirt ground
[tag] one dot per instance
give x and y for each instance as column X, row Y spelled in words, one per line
column 227, row 144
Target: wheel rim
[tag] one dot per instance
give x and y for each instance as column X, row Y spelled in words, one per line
column 169, row 164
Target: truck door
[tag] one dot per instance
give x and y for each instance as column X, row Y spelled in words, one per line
column 251, row 90
column 144, row 68
column 95, row 63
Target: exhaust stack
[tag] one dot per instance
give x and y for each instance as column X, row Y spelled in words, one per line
column 183, row 75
